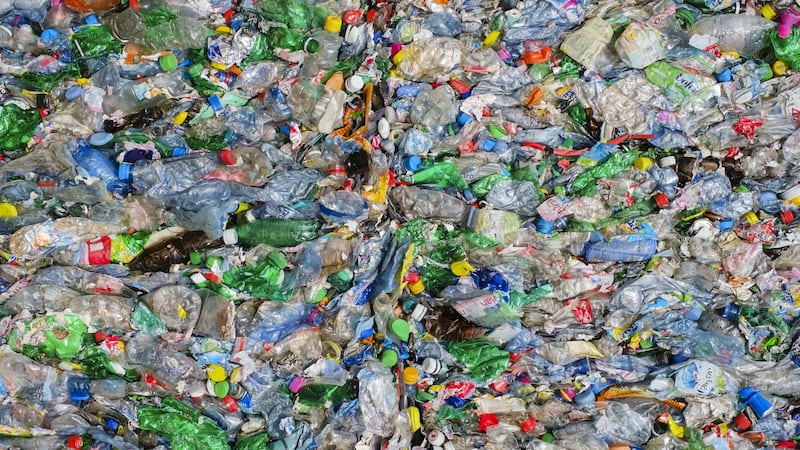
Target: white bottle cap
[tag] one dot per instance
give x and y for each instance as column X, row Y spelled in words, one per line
column 667, row 161
column 230, row 237
column 198, row 278
column 354, row 84
column 791, row 193
column 249, row 216
column 431, row 366
column 383, row 128
column 419, row 312
column 436, row 437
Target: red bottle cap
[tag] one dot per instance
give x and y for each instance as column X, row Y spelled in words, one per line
column 226, row 157
column 787, row 216
column 487, row 421
column 661, row 200
column 228, row 15
column 528, row 424
column 786, row 444
column 75, row 442
column 742, row 422
column 351, row 17
column 230, row 403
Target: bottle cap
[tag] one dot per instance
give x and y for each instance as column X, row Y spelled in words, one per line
column 667, row 161
column 230, row 403
column 100, row 139
column 724, row 76
column 487, row 421
column 416, row 287
column 779, row 68
column 431, row 366
column 124, row 171
column 488, row 144
column 399, row 57
column 725, row 224
column 354, row 84
column 222, row 388
column 333, row 24
column 227, row 157
column 410, row 375
column 419, row 311
column 168, row 62
column 215, row 102
column 401, row 329
column 178, row 151
column 311, row 46
column 7, row 210
column 75, row 442
column 463, row 118
column 384, row 128
column 768, row 12
column 198, row 279
column 91, row 19
column 413, row 163
column 111, row 423
column 643, row 163
column 216, row 372
column 461, row 268
column 48, row 35
column 436, row 437
column 529, row 424
column 661, row 199
column 195, row 70
column 296, row 384
column 389, row 357
column 751, row 217
column 757, row 402
column 230, row 237
column 787, row 216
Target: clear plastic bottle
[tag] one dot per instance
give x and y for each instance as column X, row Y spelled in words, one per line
column 741, row 33
column 179, row 33
column 325, row 56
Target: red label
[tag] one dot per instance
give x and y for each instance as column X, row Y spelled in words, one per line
column 98, row 251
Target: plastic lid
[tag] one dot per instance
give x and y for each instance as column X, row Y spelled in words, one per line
column 195, row 70
column 488, row 144
column 296, row 384
column 757, row 402
column 384, row 128
column 230, row 403
column 91, row 19
column 178, row 151
column 401, row 329
column 787, row 216
column 724, row 76
column 643, row 163
column 432, row 366
column 667, row 161
column 48, row 35
column 354, row 83
column 215, row 103
column 311, row 46
column 100, row 139
column 436, row 437
column 410, row 375
column 725, row 224
column 419, row 312
column 124, row 171
column 413, row 163
column 463, row 118
column 416, row 287
column 779, row 68
column 389, row 357
column 333, row 24
column 768, row 12
column 168, row 62
column 227, row 157
column 111, row 423
column 461, row 268
column 195, row 258
column 221, row 389
column 661, row 199
column 529, row 424
column 230, row 237
column 487, row 421
column 751, row 217
column 75, row 442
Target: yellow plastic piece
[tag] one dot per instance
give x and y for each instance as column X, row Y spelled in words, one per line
column 414, row 418
column 491, row 38
column 223, row 29
column 643, row 163
column 180, row 118
column 416, row 287
column 779, row 68
column 768, row 12
column 751, row 217
column 398, row 57
column 461, row 268
column 216, row 373
column 333, row 24
column 7, row 210
column 218, row 66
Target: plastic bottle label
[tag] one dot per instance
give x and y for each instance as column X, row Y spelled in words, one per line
column 700, row 378
column 97, row 251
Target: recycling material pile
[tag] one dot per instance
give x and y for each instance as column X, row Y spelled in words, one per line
column 442, row 224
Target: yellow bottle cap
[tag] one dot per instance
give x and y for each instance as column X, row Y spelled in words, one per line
column 731, row 54
column 242, row 208
column 491, row 38
column 410, row 375
column 751, row 217
column 434, row 388
column 81, row 81
column 180, row 118
column 223, row 29
column 216, row 373
column 768, row 12
column 416, row 287
column 398, row 57
column 333, row 24
column 643, row 163
column 218, row 66
column 7, row 210
column 779, row 68
column 236, row 375
column 414, row 418
column 461, row 268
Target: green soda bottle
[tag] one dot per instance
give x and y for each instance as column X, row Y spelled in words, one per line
column 273, row 232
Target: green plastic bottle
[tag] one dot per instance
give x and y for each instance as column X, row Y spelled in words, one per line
column 273, row 232
column 282, row 37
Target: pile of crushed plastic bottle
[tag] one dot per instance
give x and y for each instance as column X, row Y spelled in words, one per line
column 439, row 224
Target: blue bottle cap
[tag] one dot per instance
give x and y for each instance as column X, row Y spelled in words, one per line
column 693, row 314
column 246, row 403
column 463, row 118
column 100, row 139
column 731, row 311
column 455, row 401
column 48, row 35
column 111, row 423
column 73, row 92
column 469, row 196
column 724, row 76
column 178, row 151
column 236, row 23
column 413, row 163
column 757, row 402
column 725, row 224
column 215, row 103
column 488, row 144
column 91, row 19
column 678, row 358
column 124, row 171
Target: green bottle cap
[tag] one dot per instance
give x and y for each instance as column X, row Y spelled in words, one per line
column 311, row 46
column 222, row 388
column 277, row 259
column 212, row 261
column 548, row 437
column 168, row 62
column 401, row 329
column 195, row 258
column 389, row 358
column 195, row 70
column 344, row 275
column 317, row 297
